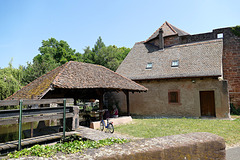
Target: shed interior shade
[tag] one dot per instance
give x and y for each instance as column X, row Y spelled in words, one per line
column 76, row 75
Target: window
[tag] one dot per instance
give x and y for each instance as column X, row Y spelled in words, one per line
column 149, row 66
column 175, row 63
column 174, row 97
column 220, row 35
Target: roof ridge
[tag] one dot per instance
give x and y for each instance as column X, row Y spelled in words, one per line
column 197, row 43
column 59, row 74
column 122, row 76
column 140, row 42
column 170, row 26
column 154, row 32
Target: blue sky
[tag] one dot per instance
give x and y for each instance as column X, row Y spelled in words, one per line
column 24, row 24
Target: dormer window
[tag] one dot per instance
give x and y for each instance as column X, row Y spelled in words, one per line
column 220, row 35
column 175, row 63
column 149, row 65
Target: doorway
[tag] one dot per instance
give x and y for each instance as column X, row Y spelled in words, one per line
column 207, row 103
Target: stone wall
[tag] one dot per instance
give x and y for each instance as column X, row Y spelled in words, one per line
column 116, row 121
column 186, row 146
column 154, row 102
column 231, row 65
column 231, row 56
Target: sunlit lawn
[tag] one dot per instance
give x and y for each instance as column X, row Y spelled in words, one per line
column 149, row 128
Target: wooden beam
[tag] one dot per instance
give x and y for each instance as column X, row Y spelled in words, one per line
column 34, row 118
column 100, row 93
column 9, row 102
column 47, row 110
column 32, row 102
column 127, row 97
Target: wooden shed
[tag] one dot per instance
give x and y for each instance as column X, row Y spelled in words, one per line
column 79, row 81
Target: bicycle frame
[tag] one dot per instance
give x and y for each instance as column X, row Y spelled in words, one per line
column 106, row 126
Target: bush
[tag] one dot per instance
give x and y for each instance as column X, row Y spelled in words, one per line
column 234, row 110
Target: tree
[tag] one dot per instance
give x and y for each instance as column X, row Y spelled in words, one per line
column 99, row 45
column 236, row 30
column 108, row 56
column 59, row 51
column 10, row 80
column 53, row 53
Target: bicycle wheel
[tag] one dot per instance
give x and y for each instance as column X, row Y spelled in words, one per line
column 110, row 128
column 101, row 126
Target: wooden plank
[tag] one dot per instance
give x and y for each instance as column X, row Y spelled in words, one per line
column 34, row 140
column 9, row 102
column 15, row 113
column 32, row 102
column 46, row 101
column 126, row 92
column 34, row 119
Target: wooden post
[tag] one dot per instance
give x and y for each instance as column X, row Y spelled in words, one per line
column 64, row 118
column 31, row 123
column 20, row 125
column 100, row 96
column 127, row 97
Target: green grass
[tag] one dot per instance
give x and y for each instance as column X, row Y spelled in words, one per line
column 149, row 128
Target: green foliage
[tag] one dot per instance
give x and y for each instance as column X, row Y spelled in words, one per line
column 10, row 80
column 234, row 110
column 108, row 56
column 66, row 147
column 58, row 51
column 236, row 30
column 53, row 53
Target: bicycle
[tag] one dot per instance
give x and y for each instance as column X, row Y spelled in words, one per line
column 109, row 125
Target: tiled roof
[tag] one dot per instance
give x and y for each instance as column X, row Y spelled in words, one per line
column 168, row 30
column 195, row 60
column 76, row 75
column 38, row 88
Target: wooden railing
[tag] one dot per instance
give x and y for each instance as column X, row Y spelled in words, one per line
column 30, row 115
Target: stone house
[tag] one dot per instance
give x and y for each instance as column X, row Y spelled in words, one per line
column 186, row 75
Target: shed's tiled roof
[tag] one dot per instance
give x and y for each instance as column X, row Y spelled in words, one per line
column 168, row 30
column 195, row 60
column 76, row 75
column 38, row 88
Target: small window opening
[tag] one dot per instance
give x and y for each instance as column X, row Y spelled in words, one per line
column 220, row 35
column 174, row 97
column 149, row 66
column 175, row 63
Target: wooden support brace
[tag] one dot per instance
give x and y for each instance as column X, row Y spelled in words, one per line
column 127, row 97
column 100, row 93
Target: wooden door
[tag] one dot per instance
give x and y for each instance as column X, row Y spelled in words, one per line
column 207, row 103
